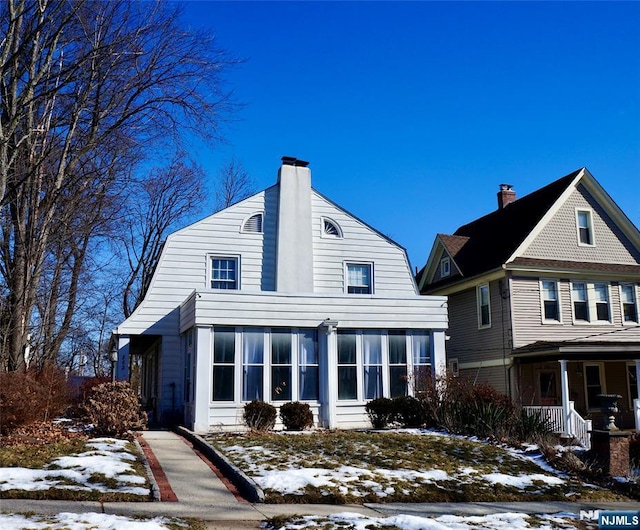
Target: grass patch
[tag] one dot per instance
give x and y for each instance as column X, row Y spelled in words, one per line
column 359, row 467
column 37, row 456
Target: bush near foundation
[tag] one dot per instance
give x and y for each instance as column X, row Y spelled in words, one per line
column 296, row 416
column 114, row 410
column 259, row 416
column 30, row 396
column 381, row 412
column 409, row 411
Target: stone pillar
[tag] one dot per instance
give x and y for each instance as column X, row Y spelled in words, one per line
column 612, row 450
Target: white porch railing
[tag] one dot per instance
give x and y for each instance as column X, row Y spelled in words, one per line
column 577, row 426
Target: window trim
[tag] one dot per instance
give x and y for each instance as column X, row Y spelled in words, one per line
column 603, row 383
column 479, row 305
column 589, row 227
column 634, row 291
column 346, row 266
column 210, row 258
column 592, row 303
column 630, row 364
column 323, row 228
column 445, row 267
column 546, row 320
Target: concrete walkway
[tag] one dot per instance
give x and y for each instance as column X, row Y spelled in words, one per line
column 201, row 493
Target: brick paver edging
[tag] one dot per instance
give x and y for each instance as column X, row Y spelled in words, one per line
column 164, row 488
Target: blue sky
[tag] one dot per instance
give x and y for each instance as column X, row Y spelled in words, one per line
column 412, row 113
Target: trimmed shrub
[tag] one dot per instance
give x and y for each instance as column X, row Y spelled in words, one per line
column 114, row 410
column 259, row 416
column 381, row 412
column 296, row 416
column 34, row 395
column 409, row 411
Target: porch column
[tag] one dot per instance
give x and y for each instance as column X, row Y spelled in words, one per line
column 438, row 354
column 636, row 402
column 122, row 366
column 202, row 385
column 566, row 406
column 329, row 375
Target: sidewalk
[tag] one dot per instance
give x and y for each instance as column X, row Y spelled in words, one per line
column 191, row 488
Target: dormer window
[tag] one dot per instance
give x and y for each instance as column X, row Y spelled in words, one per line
column 445, row 267
column 330, row 228
column 253, row 224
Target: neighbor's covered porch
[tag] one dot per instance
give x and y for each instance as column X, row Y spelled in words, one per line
column 563, row 381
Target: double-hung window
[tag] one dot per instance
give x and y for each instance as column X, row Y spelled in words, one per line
column 584, row 222
column 484, row 306
column 359, row 278
column 550, row 301
column 580, row 301
column 224, row 272
column 629, row 303
column 601, row 299
column 591, row 302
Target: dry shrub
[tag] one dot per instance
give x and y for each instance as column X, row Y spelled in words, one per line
column 259, row 416
column 114, row 410
column 296, row 416
column 34, row 395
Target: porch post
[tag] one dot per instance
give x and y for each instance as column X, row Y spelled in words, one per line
column 566, row 406
column 122, row 366
column 636, row 402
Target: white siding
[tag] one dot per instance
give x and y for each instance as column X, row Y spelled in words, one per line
column 392, row 273
column 277, row 310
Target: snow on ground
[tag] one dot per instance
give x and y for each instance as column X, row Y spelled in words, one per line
column 291, row 475
column 84, row 521
column 500, row 521
column 107, row 456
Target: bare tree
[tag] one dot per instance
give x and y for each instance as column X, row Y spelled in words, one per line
column 86, row 89
column 233, row 184
column 162, row 200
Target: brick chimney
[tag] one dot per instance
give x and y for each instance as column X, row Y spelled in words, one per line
column 506, row 195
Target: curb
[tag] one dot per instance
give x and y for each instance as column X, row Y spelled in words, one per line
column 155, row 489
column 251, row 491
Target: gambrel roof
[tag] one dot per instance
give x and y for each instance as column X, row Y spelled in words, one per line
column 500, row 237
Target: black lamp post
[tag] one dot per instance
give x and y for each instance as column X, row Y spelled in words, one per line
column 113, row 357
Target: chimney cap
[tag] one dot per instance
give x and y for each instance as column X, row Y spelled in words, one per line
column 293, row 161
column 506, row 187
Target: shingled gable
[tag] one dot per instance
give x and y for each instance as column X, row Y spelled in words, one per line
column 492, row 239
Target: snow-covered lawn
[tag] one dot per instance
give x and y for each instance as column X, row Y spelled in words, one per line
column 406, row 466
column 86, row 521
column 106, row 467
column 501, row 521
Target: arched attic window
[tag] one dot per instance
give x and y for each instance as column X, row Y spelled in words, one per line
column 253, row 224
column 330, row 228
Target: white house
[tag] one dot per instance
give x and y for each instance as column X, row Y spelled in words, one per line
column 281, row 297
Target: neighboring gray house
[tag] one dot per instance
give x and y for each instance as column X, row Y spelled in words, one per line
column 543, row 299
column 283, row 296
